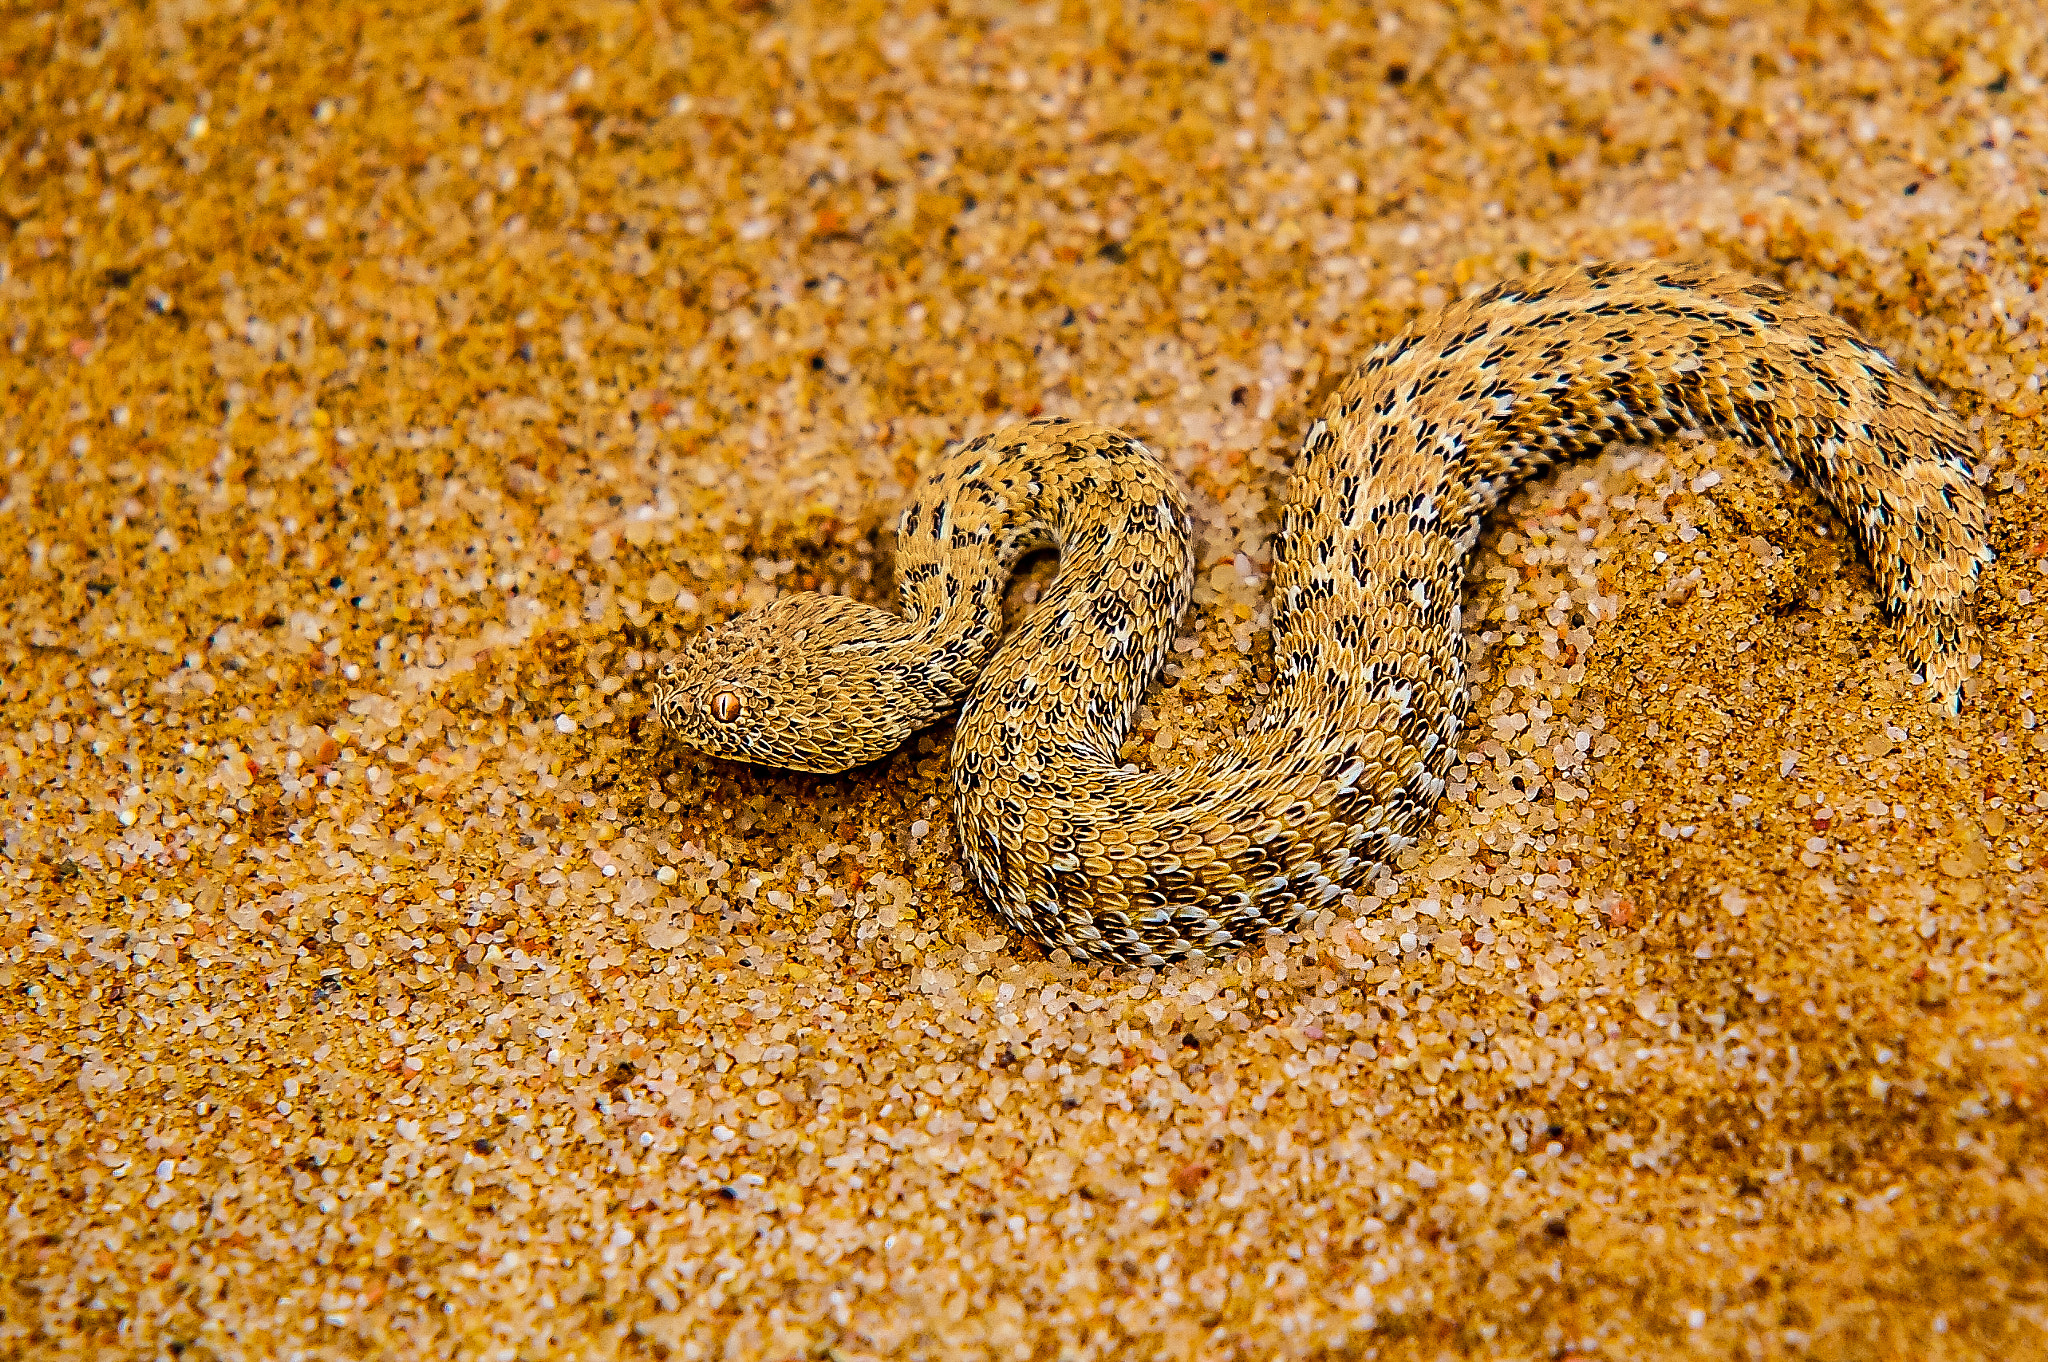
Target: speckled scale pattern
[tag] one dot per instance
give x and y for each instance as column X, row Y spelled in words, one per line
column 1348, row 755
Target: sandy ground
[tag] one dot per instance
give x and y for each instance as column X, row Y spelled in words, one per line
column 387, row 393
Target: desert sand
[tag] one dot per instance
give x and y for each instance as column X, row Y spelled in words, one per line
column 390, row 391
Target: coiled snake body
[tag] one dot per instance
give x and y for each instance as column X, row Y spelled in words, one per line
column 1348, row 755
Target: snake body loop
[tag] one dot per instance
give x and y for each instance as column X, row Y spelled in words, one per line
column 1348, row 754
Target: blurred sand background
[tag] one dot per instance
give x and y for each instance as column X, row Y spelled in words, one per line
column 388, row 391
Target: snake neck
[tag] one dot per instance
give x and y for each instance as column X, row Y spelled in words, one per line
column 1349, row 754
column 1103, row 624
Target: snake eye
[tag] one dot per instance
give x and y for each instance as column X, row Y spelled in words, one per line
column 726, row 707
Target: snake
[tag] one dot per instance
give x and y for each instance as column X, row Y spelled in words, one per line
column 1336, row 771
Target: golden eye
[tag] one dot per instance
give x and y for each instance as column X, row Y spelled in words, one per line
column 725, row 707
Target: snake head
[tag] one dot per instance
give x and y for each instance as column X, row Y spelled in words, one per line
column 805, row 684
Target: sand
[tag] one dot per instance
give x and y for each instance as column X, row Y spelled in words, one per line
column 388, row 393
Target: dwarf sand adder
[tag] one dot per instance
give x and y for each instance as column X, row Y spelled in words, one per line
column 1346, row 757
